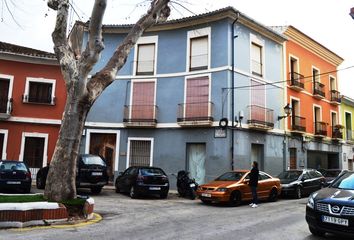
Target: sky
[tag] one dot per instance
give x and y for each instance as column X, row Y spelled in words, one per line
column 326, row 21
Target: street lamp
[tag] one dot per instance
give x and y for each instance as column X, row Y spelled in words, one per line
column 287, row 111
column 352, row 12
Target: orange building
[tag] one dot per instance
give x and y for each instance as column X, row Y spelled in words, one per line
column 314, row 138
column 32, row 100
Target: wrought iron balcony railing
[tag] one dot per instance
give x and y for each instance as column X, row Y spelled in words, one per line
column 298, row 123
column 38, row 100
column 335, row 97
column 199, row 113
column 337, row 132
column 320, row 129
column 140, row 115
column 260, row 117
column 318, row 90
column 297, row 81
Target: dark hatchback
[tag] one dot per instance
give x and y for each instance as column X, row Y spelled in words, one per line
column 91, row 173
column 331, row 210
column 139, row 181
column 298, row 183
column 15, row 175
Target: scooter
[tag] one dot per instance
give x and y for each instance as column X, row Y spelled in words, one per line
column 186, row 186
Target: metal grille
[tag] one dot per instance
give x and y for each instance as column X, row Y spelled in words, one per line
column 140, row 153
column 348, row 211
column 322, row 207
column 208, row 188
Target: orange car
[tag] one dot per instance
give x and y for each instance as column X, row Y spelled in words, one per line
column 232, row 188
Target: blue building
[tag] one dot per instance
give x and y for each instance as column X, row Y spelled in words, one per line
column 178, row 82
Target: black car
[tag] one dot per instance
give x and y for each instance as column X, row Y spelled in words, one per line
column 331, row 174
column 91, row 173
column 297, row 183
column 15, row 175
column 331, row 210
column 143, row 181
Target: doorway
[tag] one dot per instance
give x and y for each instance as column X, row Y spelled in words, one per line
column 4, row 94
column 257, row 154
column 196, row 153
column 292, row 164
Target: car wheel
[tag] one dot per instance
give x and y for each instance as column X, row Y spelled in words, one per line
column 96, row 190
column 316, row 232
column 40, row 183
column 235, row 199
column 273, row 196
column 298, row 192
column 132, row 192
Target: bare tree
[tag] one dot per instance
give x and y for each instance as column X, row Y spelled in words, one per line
column 81, row 91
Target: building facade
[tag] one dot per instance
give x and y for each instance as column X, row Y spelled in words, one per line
column 32, row 99
column 347, row 114
column 314, row 131
column 178, row 82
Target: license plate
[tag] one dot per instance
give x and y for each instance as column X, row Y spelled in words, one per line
column 96, row 173
column 13, row 182
column 154, row 188
column 335, row 220
column 206, row 195
column 192, row 185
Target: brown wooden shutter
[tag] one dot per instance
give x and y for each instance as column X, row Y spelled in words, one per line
column 143, row 102
column 197, row 97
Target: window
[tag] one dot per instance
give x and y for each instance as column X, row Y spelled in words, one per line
column 256, row 58
column 197, row 98
column 40, row 91
column 334, row 118
column 140, row 152
column 348, row 126
column 145, row 59
column 6, row 85
column 33, row 153
column 143, row 101
column 332, row 82
column 315, row 75
column 292, row 158
column 198, row 53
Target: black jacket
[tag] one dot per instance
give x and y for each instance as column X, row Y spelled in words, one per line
column 254, row 177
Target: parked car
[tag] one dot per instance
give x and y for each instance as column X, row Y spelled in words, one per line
column 91, row 173
column 232, row 188
column 298, row 183
column 331, row 174
column 331, row 210
column 139, row 180
column 15, row 175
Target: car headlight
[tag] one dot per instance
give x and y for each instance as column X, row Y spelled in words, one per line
column 311, row 200
column 221, row 190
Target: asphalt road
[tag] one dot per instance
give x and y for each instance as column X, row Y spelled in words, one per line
column 178, row 218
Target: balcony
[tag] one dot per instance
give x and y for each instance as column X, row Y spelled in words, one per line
column 320, row 129
column 38, row 100
column 337, row 132
column 298, row 124
column 335, row 97
column 5, row 108
column 260, row 118
column 195, row 114
column 318, row 90
column 297, row 81
column 140, row 115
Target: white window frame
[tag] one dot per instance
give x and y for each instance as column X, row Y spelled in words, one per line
column 40, row 80
column 314, row 112
column 299, row 103
column 319, row 78
column 345, row 119
column 185, row 90
column 4, row 147
column 38, row 135
column 145, row 40
column 132, row 88
column 140, row 139
column 260, row 42
column 196, row 33
column 330, row 82
column 11, row 86
column 337, row 120
column 297, row 64
column 103, row 131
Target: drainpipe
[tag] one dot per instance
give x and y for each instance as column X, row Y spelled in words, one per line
column 233, row 89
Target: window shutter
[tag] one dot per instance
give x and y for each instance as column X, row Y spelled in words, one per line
column 199, row 53
column 143, row 100
column 146, row 59
column 197, row 97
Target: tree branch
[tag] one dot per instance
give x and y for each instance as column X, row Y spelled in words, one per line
column 159, row 11
column 95, row 43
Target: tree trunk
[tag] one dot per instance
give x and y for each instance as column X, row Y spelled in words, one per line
column 62, row 170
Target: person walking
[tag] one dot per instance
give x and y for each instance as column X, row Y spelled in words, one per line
column 253, row 183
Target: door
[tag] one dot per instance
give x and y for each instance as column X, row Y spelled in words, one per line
column 307, row 183
column 33, row 152
column 292, row 164
column 264, row 185
column 2, row 137
column 196, row 161
column 4, row 94
column 257, row 153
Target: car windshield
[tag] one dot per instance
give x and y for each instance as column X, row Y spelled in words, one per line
column 93, row 160
column 346, row 181
column 151, row 171
column 290, row 175
column 12, row 166
column 332, row 173
column 230, row 176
